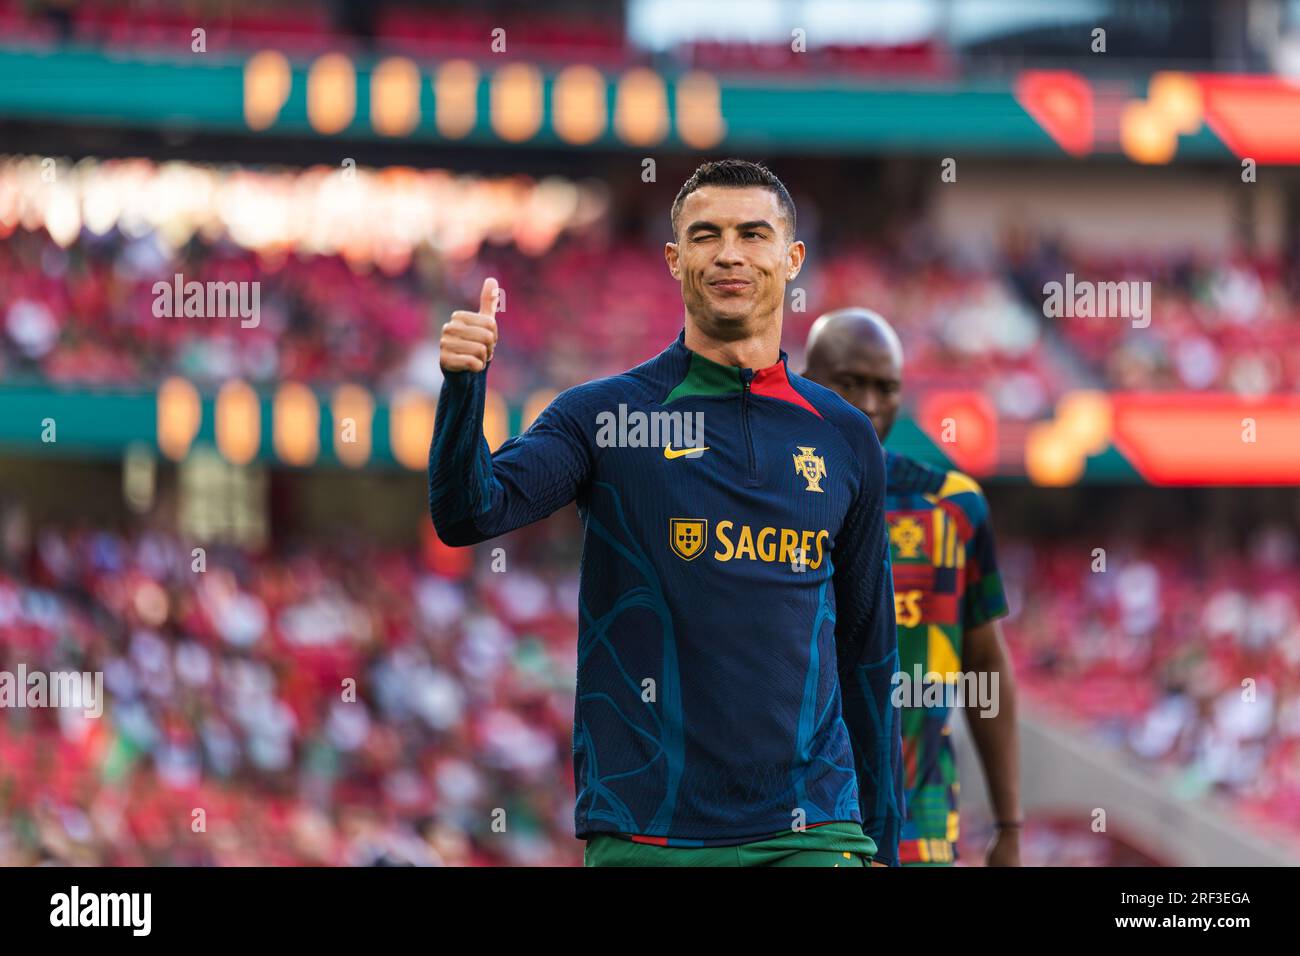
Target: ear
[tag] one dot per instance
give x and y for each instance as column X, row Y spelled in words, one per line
column 795, row 255
column 670, row 256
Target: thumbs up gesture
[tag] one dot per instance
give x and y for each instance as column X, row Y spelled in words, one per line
column 470, row 337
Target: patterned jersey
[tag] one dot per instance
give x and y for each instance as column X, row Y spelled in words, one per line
column 945, row 583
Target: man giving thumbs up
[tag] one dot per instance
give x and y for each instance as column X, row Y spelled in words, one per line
column 736, row 638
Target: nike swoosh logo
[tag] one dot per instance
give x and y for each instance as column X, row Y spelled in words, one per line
column 670, row 454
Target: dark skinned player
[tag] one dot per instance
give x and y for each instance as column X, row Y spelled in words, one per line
column 948, row 597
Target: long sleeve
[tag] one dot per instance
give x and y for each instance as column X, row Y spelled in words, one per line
column 475, row 495
column 867, row 646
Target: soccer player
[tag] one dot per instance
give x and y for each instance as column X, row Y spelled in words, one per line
column 947, row 599
column 736, row 637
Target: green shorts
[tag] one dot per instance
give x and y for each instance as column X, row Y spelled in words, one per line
column 832, row 844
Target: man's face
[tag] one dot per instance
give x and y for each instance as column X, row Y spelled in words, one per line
column 733, row 257
column 867, row 376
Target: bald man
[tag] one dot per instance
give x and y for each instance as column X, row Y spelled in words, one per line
column 947, row 599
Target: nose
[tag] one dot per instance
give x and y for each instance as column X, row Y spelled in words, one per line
column 729, row 252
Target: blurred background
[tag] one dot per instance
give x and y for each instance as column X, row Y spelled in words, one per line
column 363, row 166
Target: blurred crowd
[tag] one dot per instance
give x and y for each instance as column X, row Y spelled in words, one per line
column 86, row 314
column 350, row 704
column 1216, row 323
column 320, row 707
column 353, row 705
column 1185, row 654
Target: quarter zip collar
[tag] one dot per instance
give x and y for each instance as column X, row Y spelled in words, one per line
column 697, row 375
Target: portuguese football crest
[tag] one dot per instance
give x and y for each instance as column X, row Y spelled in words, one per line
column 688, row 536
column 812, row 468
column 908, row 536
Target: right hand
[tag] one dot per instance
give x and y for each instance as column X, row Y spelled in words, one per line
column 469, row 339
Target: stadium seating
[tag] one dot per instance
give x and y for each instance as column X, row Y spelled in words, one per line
column 84, row 315
column 414, row 30
column 229, row 695
column 1218, row 706
column 227, row 692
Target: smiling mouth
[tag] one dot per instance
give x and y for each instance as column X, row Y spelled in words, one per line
column 730, row 285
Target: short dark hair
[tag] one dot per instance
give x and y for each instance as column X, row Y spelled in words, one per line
column 736, row 173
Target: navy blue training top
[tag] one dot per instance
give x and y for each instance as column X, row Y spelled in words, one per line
column 736, row 643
